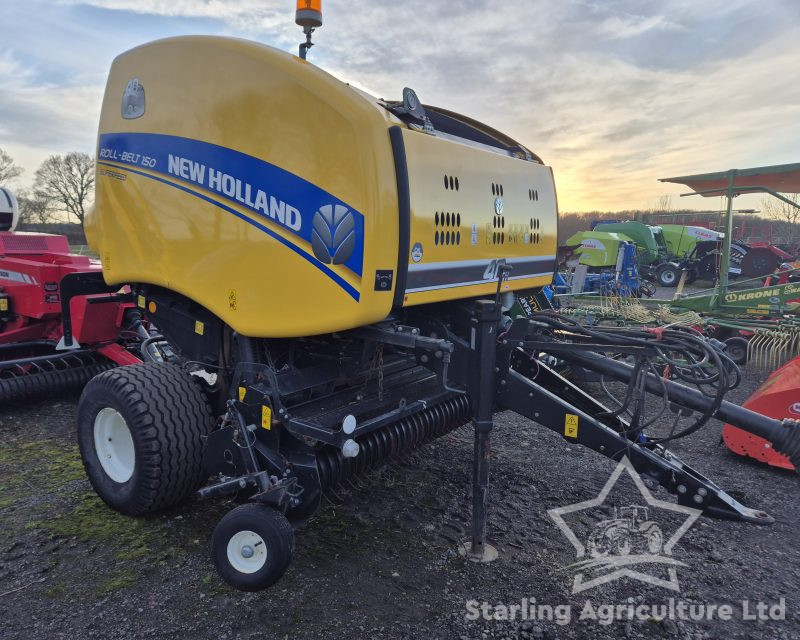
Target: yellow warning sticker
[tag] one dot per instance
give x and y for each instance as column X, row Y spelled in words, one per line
column 571, row 425
column 140, row 302
column 266, row 417
column 3, row 304
column 199, row 327
column 242, row 391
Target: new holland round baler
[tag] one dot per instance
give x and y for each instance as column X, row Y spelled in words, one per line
column 341, row 279
column 332, row 206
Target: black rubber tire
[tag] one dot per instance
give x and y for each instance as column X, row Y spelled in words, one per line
column 168, row 418
column 736, row 349
column 759, row 262
column 691, row 276
column 274, row 529
column 668, row 275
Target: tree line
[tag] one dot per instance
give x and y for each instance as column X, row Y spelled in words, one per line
column 63, row 186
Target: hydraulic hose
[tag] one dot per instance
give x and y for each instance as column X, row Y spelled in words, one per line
column 784, row 435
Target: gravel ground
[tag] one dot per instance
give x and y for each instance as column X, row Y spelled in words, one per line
column 381, row 562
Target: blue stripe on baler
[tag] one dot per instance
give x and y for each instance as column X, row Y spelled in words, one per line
column 354, row 293
column 151, row 153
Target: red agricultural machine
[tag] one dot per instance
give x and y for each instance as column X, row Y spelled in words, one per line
column 778, row 397
column 106, row 327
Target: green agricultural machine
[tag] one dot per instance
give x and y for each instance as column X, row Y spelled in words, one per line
column 598, row 249
column 666, row 251
column 758, row 320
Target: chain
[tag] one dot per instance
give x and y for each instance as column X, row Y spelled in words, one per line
column 380, row 372
column 375, row 363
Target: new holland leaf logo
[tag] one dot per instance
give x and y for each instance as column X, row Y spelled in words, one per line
column 620, row 546
column 333, row 235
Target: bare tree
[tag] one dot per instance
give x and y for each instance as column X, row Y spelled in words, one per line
column 66, row 182
column 35, row 208
column 664, row 204
column 8, row 168
column 785, row 216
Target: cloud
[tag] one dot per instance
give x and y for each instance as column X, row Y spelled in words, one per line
column 612, row 94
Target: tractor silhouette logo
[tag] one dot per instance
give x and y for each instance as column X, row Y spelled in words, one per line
column 629, row 531
column 636, row 543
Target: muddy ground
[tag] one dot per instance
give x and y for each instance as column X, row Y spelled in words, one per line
column 383, row 561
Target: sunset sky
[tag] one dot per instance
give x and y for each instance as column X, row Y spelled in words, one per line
column 612, row 95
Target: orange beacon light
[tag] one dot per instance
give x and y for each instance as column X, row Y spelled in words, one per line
column 308, row 16
column 309, row 13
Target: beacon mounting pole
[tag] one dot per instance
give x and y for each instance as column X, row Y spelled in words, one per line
column 308, row 16
column 305, row 46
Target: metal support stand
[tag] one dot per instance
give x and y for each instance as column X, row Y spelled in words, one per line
column 482, row 391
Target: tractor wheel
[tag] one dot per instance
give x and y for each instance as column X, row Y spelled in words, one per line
column 736, row 349
column 759, row 262
column 252, row 547
column 668, row 275
column 654, row 539
column 141, row 431
column 691, row 276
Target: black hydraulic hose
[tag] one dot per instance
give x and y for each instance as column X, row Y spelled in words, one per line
column 145, row 348
column 784, row 435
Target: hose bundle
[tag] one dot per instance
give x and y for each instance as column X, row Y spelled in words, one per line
column 676, row 353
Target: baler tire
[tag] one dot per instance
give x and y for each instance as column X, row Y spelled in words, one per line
column 167, row 417
column 270, row 539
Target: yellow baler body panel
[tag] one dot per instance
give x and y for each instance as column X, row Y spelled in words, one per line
column 213, row 95
column 266, row 190
column 499, row 210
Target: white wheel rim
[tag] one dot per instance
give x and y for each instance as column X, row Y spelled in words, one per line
column 113, row 444
column 247, row 551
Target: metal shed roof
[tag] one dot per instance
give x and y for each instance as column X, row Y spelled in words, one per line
column 783, row 178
